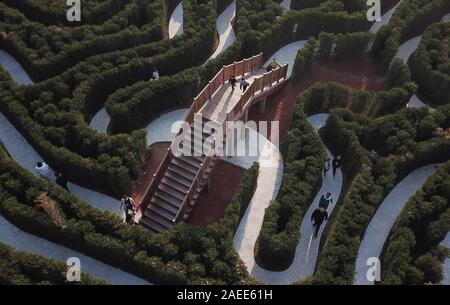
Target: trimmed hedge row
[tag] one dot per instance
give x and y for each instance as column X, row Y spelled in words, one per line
column 106, row 163
column 21, row 268
column 397, row 140
column 430, row 64
column 410, row 19
column 412, row 255
column 92, row 11
column 304, row 159
column 304, row 58
column 184, row 255
column 352, row 45
column 46, row 51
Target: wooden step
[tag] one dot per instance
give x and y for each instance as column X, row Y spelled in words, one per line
column 149, row 223
column 160, row 219
column 170, row 199
column 187, row 166
column 182, row 172
column 164, row 204
column 161, row 211
column 171, row 191
column 176, row 183
column 194, row 161
column 179, row 178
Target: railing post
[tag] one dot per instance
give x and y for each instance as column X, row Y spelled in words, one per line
column 223, row 75
column 234, row 69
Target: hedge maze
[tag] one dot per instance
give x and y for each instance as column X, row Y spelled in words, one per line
column 106, row 61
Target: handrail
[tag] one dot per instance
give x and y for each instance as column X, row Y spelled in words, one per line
column 237, row 69
column 266, row 80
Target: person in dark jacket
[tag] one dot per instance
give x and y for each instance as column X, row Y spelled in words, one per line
column 318, row 216
column 61, row 180
column 232, row 81
column 325, row 200
column 244, row 84
column 336, row 164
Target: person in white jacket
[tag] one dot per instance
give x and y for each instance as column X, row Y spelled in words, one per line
column 43, row 170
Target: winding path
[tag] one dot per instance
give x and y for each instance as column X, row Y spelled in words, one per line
column 250, row 226
column 384, row 19
column 20, row 240
column 176, row 21
column 25, row 155
column 287, row 54
column 384, row 219
column 446, row 265
column 225, row 30
column 100, row 121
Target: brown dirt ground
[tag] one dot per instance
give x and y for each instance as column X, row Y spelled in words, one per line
column 212, row 203
column 155, row 155
column 361, row 74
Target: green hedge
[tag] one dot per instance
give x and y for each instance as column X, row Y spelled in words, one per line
column 45, row 51
column 183, row 255
column 304, row 159
column 21, row 268
column 410, row 19
column 430, row 64
column 304, row 58
column 412, row 255
column 400, row 149
column 349, row 45
column 92, row 11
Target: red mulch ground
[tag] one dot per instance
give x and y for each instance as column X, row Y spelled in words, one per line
column 155, row 156
column 361, row 74
column 212, row 203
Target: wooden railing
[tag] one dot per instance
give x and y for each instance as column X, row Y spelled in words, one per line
column 259, row 86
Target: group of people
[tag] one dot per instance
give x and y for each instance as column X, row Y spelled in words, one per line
column 335, row 164
column 243, row 84
column 320, row 214
column 127, row 203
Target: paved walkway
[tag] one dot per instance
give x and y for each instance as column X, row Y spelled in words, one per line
column 384, row 19
column 385, row 217
column 250, row 226
column 225, row 30
column 446, row 265
column 16, row 71
column 100, row 121
column 287, row 54
column 160, row 129
column 176, row 21
column 20, row 240
column 286, row 5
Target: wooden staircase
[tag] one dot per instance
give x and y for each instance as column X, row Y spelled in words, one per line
column 176, row 185
column 166, row 205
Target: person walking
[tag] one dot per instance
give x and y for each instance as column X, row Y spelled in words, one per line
column 155, row 74
column 61, row 180
column 327, row 166
column 43, row 170
column 318, row 216
column 244, row 84
column 127, row 203
column 325, row 200
column 336, row 164
column 232, row 81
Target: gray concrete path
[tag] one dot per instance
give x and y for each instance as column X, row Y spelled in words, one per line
column 176, row 27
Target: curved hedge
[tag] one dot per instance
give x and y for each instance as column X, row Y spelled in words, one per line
column 47, row 51
column 403, row 142
column 304, row 159
column 21, row 268
column 184, row 255
column 430, row 64
column 412, row 255
column 92, row 11
column 409, row 19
